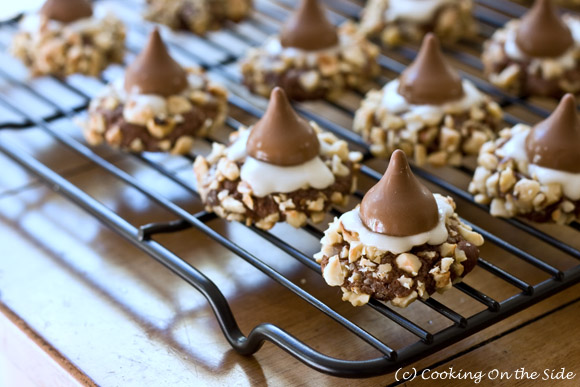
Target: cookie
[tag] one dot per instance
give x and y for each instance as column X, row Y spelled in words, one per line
column 399, row 21
column 401, row 243
column 65, row 38
column 197, row 16
column 311, row 59
column 538, row 55
column 282, row 169
column 533, row 172
column 429, row 112
column 158, row 106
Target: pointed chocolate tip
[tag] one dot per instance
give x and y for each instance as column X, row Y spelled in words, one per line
column 542, row 33
column 430, row 80
column 555, row 142
column 281, row 136
column 399, row 205
column 309, row 29
column 67, row 11
column 154, row 71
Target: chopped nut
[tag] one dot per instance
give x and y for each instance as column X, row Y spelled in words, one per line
column 136, row 145
column 385, row 268
column 409, row 263
column 333, row 273
column 160, row 128
column 353, row 298
column 114, row 136
column 295, row 218
column 403, row 302
column 449, row 139
column 447, row 249
column 228, row 169
column 178, row 105
column 471, row 236
column 233, row 205
column 309, row 80
column 421, row 289
column 507, row 180
column 460, row 255
column 442, row 280
column 183, row 145
column 405, row 281
column 526, row 190
column 316, row 205
column 248, row 201
column 356, row 251
column 286, row 205
column 338, row 168
column 446, row 264
column 317, row 217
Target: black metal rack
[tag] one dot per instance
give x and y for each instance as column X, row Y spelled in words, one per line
column 269, row 14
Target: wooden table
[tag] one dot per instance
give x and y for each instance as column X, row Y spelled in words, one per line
column 80, row 304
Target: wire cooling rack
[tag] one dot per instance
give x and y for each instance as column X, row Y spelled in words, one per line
column 25, row 105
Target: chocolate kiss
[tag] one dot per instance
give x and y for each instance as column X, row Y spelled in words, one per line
column 309, row 29
column 430, row 80
column 281, row 136
column 555, row 142
column 67, row 11
column 542, row 33
column 154, row 71
column 399, row 205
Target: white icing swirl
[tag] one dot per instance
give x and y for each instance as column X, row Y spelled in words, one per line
column 267, row 178
column 274, row 47
column 154, row 105
column 351, row 221
column 32, row 22
column 567, row 60
column 515, row 149
column 418, row 11
column 136, row 104
column 416, row 116
column 570, row 182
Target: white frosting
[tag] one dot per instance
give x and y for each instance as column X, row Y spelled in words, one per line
column 33, row 21
column 267, row 178
column 566, row 60
column 237, row 151
column 351, row 221
column 418, row 115
column 515, row 148
column 274, row 47
column 419, row 11
column 570, row 182
column 138, row 103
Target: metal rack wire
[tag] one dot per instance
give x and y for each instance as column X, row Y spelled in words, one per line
column 269, row 14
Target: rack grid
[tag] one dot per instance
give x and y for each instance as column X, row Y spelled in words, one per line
column 219, row 59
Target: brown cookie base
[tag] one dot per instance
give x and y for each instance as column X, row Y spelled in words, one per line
column 197, row 16
column 364, row 271
column 195, row 113
column 223, row 191
column 507, row 187
column 71, row 51
column 444, row 143
column 450, row 23
column 537, row 77
column 328, row 75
